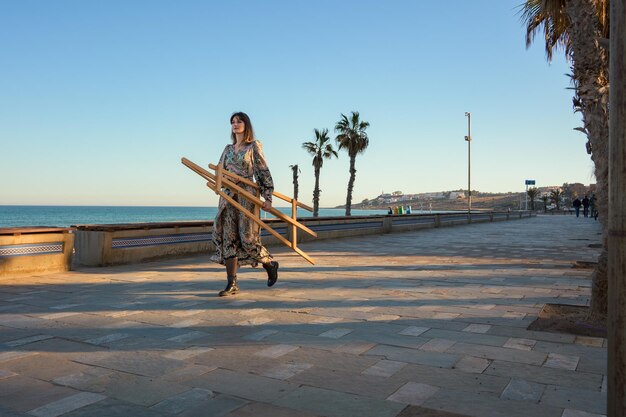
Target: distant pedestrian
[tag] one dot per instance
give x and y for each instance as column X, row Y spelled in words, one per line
column 390, row 210
column 576, row 204
column 586, row 207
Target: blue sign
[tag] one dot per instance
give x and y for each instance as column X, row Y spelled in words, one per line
column 530, row 182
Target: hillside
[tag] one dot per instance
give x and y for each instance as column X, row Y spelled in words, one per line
column 481, row 201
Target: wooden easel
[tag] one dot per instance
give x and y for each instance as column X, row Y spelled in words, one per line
column 222, row 178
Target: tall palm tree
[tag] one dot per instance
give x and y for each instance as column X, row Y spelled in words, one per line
column 295, row 170
column 555, row 197
column 320, row 149
column 581, row 28
column 532, row 192
column 351, row 136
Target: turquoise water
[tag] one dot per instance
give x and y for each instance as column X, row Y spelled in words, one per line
column 64, row 216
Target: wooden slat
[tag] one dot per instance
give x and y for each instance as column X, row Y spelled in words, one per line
column 213, row 182
column 254, row 199
column 253, row 184
column 294, row 230
column 249, row 214
column 218, row 181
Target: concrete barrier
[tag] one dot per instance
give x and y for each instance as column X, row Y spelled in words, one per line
column 102, row 245
column 27, row 250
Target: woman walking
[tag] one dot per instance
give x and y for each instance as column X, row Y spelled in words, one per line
column 236, row 237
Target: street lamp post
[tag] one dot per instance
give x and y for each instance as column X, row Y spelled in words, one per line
column 468, row 138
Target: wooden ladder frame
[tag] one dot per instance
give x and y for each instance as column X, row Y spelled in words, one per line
column 222, row 178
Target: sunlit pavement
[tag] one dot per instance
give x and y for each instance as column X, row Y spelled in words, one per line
column 381, row 326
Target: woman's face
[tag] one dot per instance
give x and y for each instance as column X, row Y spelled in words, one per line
column 237, row 125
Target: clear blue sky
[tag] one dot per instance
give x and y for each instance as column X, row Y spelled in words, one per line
column 99, row 100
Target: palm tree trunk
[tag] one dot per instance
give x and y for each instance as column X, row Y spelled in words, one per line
column 316, row 193
column 590, row 74
column 350, row 186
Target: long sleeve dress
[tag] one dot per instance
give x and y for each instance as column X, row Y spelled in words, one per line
column 234, row 234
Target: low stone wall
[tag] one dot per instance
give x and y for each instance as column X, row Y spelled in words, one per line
column 102, row 245
column 27, row 250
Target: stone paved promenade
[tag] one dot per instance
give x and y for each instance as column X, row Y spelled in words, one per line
column 393, row 325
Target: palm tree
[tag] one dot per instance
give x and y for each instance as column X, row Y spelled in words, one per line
column 320, row 149
column 581, row 28
column 351, row 136
column 532, row 192
column 555, row 197
column 295, row 170
column 544, row 198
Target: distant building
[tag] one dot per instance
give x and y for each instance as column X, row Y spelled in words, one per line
column 456, row 194
column 433, row 196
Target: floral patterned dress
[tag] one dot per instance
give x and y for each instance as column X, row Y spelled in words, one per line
column 234, row 234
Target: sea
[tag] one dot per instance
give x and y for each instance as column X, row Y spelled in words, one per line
column 66, row 216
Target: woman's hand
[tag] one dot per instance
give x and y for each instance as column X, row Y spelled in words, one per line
column 267, row 205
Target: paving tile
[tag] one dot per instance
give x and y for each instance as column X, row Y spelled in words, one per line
column 371, row 386
column 12, row 355
column 414, row 331
column 466, row 337
column 257, row 409
column 520, row 390
column 417, row 411
column 254, row 321
column 40, row 393
column 491, row 352
column 555, row 360
column 520, row 344
column 548, row 376
column 140, row 390
column 337, row 361
column 139, row 363
column 66, row 404
column 112, row 407
column 185, row 323
column 486, row 405
column 437, row 345
column 184, row 354
column 355, row 347
column 590, row 341
column 413, row 393
column 27, row 340
column 443, row 360
column 477, row 328
column 384, row 368
column 472, row 364
column 577, row 399
column 242, row 385
column 276, row 351
column 182, row 374
column 336, row 333
column 7, row 412
column 258, row 336
column 6, row 374
column 323, row 402
column 105, row 340
column 286, row 370
column 578, row 413
column 183, row 401
column 187, row 337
